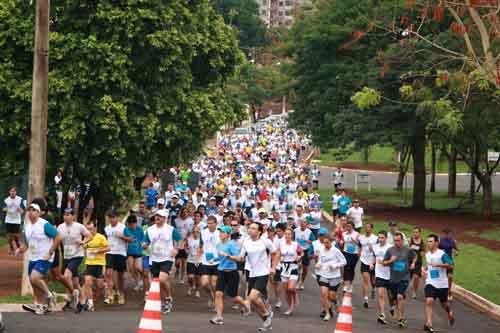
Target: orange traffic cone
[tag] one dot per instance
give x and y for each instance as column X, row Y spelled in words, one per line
column 344, row 319
column 151, row 318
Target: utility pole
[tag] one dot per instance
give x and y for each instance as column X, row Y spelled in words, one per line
column 39, row 113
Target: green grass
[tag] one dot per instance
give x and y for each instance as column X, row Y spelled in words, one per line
column 435, row 201
column 3, row 241
column 386, row 155
column 16, row 299
column 491, row 234
column 476, row 267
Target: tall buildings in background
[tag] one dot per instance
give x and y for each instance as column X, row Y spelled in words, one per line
column 276, row 13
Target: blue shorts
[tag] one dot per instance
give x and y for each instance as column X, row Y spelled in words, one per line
column 145, row 263
column 41, row 266
column 399, row 288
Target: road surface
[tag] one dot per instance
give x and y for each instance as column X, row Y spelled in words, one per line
column 191, row 316
column 383, row 179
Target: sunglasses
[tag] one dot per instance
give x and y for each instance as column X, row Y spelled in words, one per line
column 234, row 225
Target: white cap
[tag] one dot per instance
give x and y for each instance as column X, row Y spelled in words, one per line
column 161, row 201
column 162, row 212
column 35, row 207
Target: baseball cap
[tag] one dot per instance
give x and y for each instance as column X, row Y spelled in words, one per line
column 35, row 207
column 68, row 210
column 176, row 196
column 225, row 229
column 392, row 223
column 162, row 212
column 161, row 201
column 212, row 198
column 322, row 231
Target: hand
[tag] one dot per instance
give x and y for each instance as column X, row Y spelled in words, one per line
column 273, row 270
column 393, row 258
column 174, row 252
column 223, row 254
column 4, row 209
column 372, row 267
column 318, row 266
column 19, row 210
column 412, row 266
column 47, row 257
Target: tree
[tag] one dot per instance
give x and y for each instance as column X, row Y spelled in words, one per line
column 134, row 85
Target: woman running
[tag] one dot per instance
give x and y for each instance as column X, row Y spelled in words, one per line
column 289, row 253
column 417, row 245
column 351, row 253
column 193, row 262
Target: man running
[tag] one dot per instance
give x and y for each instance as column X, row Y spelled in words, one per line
column 436, row 282
column 42, row 241
column 367, row 241
column 74, row 236
column 160, row 238
column 304, row 237
column 401, row 259
column 356, row 214
column 13, row 210
column 382, row 275
column 208, row 269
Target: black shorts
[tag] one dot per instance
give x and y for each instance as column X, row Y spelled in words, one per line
column 350, row 267
column 258, row 283
column 366, row 269
column 210, row 270
column 72, row 265
column 417, row 270
column 181, row 254
column 399, row 288
column 12, row 228
column 193, row 269
column 449, row 271
column 440, row 293
column 305, row 260
column 331, row 284
column 57, row 257
column 135, row 256
column 277, row 276
column 335, row 212
column 163, row 266
column 382, row 283
column 228, row 282
column 94, row 270
column 116, row 262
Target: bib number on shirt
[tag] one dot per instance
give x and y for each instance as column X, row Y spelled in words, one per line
column 158, row 249
column 434, row 274
column 91, row 254
column 69, row 250
column 351, row 248
column 399, row 266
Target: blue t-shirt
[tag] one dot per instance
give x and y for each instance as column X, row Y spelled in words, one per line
column 344, row 203
column 151, row 194
column 231, row 249
column 134, row 248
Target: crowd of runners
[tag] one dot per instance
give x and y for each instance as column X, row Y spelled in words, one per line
column 251, row 230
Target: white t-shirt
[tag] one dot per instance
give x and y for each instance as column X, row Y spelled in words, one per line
column 381, row 271
column 209, row 244
column 13, row 216
column 116, row 245
column 330, row 263
column 161, row 243
column 192, row 250
column 356, row 215
column 257, row 256
column 350, row 239
column 302, row 237
column 367, row 243
column 184, row 226
column 70, row 235
column 335, row 201
column 436, row 276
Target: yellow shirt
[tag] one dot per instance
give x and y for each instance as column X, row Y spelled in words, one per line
column 93, row 258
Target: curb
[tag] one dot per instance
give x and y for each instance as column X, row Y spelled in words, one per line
column 467, row 297
column 476, row 302
column 6, row 308
column 388, row 172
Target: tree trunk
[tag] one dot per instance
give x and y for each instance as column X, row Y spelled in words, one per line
column 419, row 178
column 452, row 173
column 472, row 190
column 366, row 155
column 487, row 195
column 433, row 168
column 404, row 159
column 102, row 202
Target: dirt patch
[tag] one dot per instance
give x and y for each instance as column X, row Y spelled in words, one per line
column 460, row 223
column 10, row 274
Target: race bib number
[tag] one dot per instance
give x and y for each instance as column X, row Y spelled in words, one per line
column 91, row 254
column 69, row 250
column 209, row 256
column 399, row 266
column 351, row 248
column 158, row 249
column 33, row 249
column 434, row 274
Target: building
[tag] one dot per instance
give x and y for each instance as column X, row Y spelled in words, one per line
column 276, row 13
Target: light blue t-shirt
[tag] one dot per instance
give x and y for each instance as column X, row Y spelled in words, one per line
column 230, row 248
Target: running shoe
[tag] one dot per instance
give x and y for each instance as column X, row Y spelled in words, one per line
column 428, row 328
column 246, row 310
column 197, row 294
column 278, row 305
column 109, row 300
column 68, row 306
column 365, row 304
column 90, row 307
column 381, row 320
column 235, row 307
column 414, row 295
column 41, row 309
column 269, row 320
column 210, row 303
column 190, row 291
column 327, row 317
column 167, row 306
column 402, row 323
column 288, row 312
column 392, row 312
column 76, row 298
column 29, row 307
column 51, row 302
column 322, row 314
column 373, row 294
column 121, row 299
column 451, row 318
column 216, row 321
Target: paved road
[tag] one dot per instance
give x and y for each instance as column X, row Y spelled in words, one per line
column 191, row 316
column 388, row 180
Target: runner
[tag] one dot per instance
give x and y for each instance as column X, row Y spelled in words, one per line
column 257, row 253
column 334, row 200
column 160, row 238
column 208, row 269
column 401, row 259
column 315, row 217
column 417, row 245
column 393, row 230
column 367, row 241
column 338, row 177
column 73, row 237
column 95, row 261
column 13, row 210
column 289, row 254
column 276, row 281
column 183, row 223
column 42, row 240
column 134, row 252
column 436, row 282
column 228, row 278
column 355, row 214
column 344, row 203
column 116, row 259
column 382, row 275
column 448, row 244
column 328, row 268
column 193, row 262
column 351, row 253
column 304, row 237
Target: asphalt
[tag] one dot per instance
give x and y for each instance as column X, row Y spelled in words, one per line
column 191, row 315
column 384, row 179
